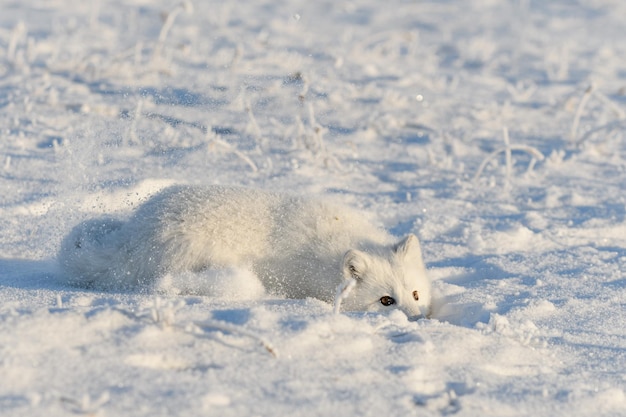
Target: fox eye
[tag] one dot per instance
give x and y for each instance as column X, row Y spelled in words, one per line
column 387, row 301
column 416, row 295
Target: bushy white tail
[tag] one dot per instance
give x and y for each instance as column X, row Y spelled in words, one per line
column 88, row 252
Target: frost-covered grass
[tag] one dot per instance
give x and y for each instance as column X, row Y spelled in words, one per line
column 494, row 130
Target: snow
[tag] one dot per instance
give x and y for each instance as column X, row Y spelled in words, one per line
column 391, row 107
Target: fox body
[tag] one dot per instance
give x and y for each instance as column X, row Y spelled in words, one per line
column 297, row 247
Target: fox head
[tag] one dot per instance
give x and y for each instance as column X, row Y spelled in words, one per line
column 392, row 278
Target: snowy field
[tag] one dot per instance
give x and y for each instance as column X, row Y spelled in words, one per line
column 494, row 130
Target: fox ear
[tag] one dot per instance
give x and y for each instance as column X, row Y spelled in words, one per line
column 354, row 264
column 409, row 247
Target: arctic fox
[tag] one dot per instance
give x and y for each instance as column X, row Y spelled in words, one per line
column 296, row 246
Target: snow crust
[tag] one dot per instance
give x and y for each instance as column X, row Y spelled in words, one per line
column 494, row 130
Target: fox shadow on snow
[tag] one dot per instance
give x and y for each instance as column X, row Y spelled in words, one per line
column 29, row 274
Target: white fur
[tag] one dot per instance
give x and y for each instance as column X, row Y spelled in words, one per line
column 297, row 247
column 229, row 283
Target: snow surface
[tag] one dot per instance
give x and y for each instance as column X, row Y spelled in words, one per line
column 494, row 130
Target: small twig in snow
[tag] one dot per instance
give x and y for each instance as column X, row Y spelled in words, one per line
column 18, row 32
column 185, row 5
column 230, row 328
column 132, row 130
column 343, row 291
column 301, row 134
column 507, row 149
column 507, row 154
column 608, row 127
column 621, row 114
column 156, row 315
column 237, row 54
column 579, row 111
column 305, row 88
column 87, row 405
column 216, row 141
column 255, row 126
column 318, row 131
column 616, row 109
column 163, row 314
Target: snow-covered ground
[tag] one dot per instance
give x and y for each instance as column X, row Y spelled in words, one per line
column 494, row 130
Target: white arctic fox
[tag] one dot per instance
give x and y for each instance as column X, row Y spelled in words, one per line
column 297, row 247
